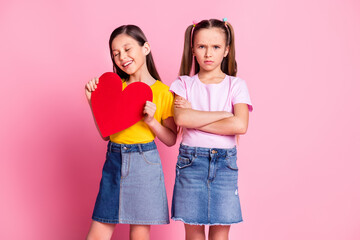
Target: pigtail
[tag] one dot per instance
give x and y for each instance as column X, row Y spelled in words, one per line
column 229, row 65
column 187, row 57
column 232, row 65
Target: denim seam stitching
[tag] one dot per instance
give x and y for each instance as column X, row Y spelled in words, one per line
column 127, row 166
column 208, row 224
column 128, row 221
column 120, row 198
column 228, row 164
column 147, row 161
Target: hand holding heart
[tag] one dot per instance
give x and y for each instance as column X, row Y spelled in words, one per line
column 115, row 109
column 90, row 87
column 149, row 112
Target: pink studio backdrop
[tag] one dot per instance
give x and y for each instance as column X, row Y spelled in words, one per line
column 299, row 162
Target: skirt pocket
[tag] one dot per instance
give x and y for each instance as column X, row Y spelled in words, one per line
column 231, row 162
column 183, row 162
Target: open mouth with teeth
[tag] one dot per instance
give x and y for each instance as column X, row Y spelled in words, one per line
column 127, row 64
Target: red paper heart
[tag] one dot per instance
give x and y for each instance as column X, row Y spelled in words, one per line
column 115, row 110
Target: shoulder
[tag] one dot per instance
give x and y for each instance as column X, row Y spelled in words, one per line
column 160, row 86
column 182, row 85
column 235, row 80
column 237, row 83
column 161, row 89
column 182, row 82
column 186, row 79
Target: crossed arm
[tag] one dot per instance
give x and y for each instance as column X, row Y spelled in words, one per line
column 217, row 122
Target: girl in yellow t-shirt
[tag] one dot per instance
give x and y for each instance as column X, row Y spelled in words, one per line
column 132, row 189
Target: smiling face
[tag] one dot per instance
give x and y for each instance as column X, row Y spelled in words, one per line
column 210, row 48
column 128, row 55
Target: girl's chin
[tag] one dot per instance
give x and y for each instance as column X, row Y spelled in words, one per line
column 208, row 68
column 128, row 71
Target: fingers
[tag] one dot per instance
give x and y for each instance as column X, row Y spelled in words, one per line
column 178, row 99
column 149, row 112
column 180, row 106
column 150, row 108
column 181, row 102
column 92, row 84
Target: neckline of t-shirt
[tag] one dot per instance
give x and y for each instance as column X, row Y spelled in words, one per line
column 207, row 84
column 156, row 81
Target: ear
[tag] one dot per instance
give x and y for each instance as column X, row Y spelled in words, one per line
column 226, row 50
column 146, row 48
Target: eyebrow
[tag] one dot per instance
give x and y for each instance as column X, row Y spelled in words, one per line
column 122, row 46
column 215, row 44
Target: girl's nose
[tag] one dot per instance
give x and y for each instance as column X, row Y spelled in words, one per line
column 207, row 53
column 121, row 56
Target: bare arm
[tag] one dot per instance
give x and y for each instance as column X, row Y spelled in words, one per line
column 167, row 132
column 89, row 88
column 235, row 125
column 190, row 118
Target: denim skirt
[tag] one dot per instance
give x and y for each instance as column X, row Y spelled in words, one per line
column 132, row 188
column 206, row 188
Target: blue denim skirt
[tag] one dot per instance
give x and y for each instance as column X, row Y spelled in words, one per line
column 132, row 188
column 206, row 188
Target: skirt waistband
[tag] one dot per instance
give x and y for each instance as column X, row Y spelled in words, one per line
column 125, row 148
column 201, row 151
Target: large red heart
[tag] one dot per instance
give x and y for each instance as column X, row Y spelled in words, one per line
column 115, row 110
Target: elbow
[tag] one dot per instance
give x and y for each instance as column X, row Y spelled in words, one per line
column 179, row 120
column 171, row 140
column 106, row 138
column 240, row 126
column 185, row 122
column 241, row 129
column 170, row 143
column 181, row 117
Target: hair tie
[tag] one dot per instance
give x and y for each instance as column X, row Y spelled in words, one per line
column 194, row 23
column 225, row 21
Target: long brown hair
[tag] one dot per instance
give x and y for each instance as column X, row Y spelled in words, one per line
column 228, row 65
column 136, row 33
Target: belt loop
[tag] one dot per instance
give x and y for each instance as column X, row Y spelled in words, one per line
column 195, row 151
column 110, row 146
column 140, row 149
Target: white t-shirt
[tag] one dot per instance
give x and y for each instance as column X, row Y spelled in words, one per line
column 211, row 97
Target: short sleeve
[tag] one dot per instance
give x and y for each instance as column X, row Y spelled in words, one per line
column 179, row 87
column 167, row 101
column 241, row 93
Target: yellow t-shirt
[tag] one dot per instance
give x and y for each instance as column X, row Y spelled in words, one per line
column 140, row 132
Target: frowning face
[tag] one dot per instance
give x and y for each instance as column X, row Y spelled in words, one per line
column 210, row 48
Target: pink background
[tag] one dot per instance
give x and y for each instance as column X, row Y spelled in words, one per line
column 299, row 162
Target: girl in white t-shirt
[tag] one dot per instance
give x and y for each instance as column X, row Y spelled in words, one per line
column 212, row 107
